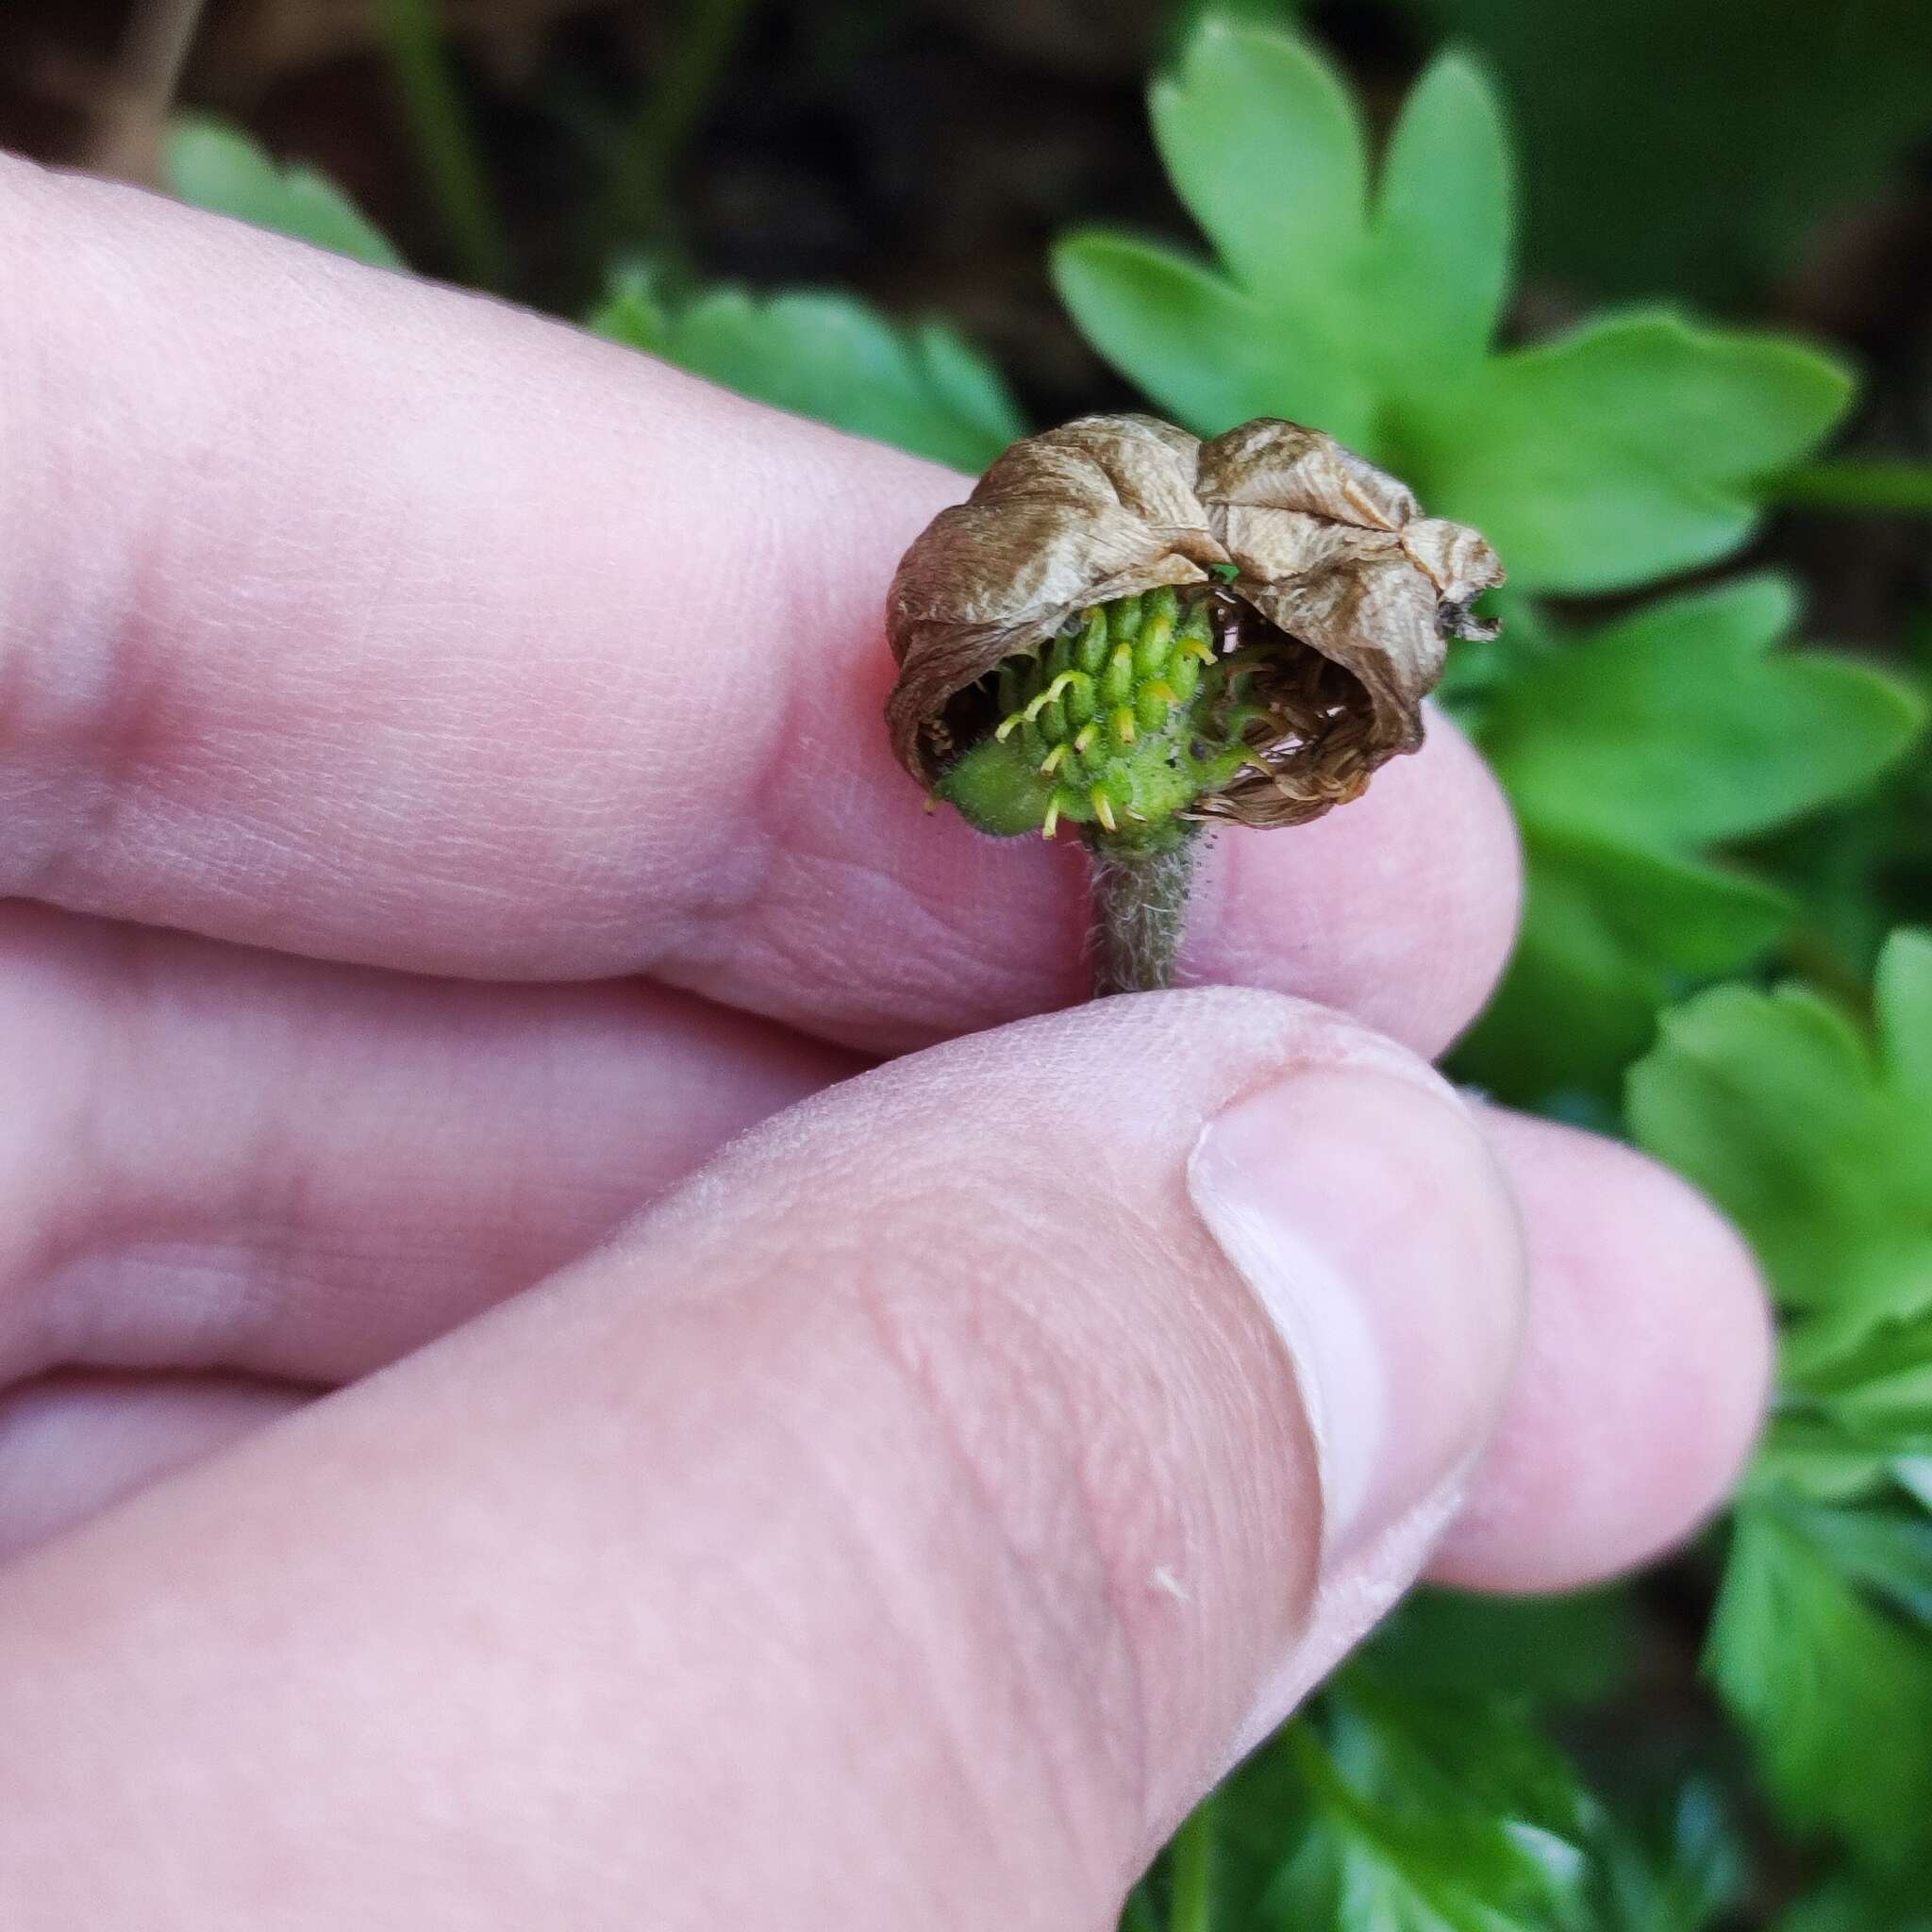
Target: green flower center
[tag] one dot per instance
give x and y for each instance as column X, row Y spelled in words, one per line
column 1120, row 723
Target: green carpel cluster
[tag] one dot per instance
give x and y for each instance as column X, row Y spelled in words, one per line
column 1119, row 724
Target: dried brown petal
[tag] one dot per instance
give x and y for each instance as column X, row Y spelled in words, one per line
column 1325, row 549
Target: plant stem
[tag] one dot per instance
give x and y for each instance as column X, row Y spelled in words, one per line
column 1140, row 910
column 445, row 143
column 634, row 202
column 1190, row 1873
column 1854, row 485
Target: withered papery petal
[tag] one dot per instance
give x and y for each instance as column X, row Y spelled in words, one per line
column 1328, row 549
column 1278, row 465
column 1102, row 508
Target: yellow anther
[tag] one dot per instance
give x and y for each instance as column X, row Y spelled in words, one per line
column 1052, row 816
column 1007, row 727
column 1083, row 739
column 1160, row 689
column 1124, row 725
column 1054, row 759
column 1102, row 809
column 1198, row 647
column 1051, row 693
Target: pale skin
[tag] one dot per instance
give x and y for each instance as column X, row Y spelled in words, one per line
column 444, row 800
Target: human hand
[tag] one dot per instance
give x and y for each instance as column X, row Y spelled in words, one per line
column 445, row 802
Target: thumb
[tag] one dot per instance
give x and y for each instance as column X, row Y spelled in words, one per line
column 904, row 1525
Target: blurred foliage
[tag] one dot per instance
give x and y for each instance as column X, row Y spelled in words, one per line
column 1700, row 798
column 218, row 167
column 1814, row 1132
column 1624, row 450
column 1628, row 752
column 830, row 357
column 1690, row 146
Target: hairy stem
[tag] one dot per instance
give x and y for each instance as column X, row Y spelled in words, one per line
column 1140, row 908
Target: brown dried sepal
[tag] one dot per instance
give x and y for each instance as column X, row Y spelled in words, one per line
column 1328, row 554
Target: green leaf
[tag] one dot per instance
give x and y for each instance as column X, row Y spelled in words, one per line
column 1627, row 755
column 1836, row 1692
column 1681, row 724
column 1150, row 309
column 1815, row 1133
column 829, row 358
column 1817, row 1143
column 217, row 167
column 1264, row 145
column 1625, row 449
column 1610, row 931
column 1430, row 1814
column 1630, row 448
column 1679, row 1880
column 1446, row 216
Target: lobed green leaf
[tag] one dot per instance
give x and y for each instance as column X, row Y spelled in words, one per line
column 217, row 167
column 1835, row 1692
column 1626, row 450
column 1626, row 753
column 830, row 357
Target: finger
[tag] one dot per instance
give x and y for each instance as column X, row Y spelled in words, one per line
column 1014, row 1428
column 1647, row 1367
column 217, row 1157
column 70, row 1445
column 340, row 1165
column 354, row 617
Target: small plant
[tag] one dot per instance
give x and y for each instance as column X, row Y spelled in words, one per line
column 1142, row 634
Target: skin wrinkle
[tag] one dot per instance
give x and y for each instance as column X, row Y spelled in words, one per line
column 981, row 1787
column 1085, row 1740
column 1149, row 1042
column 236, row 1198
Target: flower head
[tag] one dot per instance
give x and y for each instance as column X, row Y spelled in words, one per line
column 1132, row 628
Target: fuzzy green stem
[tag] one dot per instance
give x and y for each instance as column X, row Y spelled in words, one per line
column 445, row 143
column 1140, row 911
column 1190, row 1873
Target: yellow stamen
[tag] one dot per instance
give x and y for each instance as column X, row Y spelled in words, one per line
column 1054, row 759
column 1102, row 809
column 1052, row 691
column 1124, row 725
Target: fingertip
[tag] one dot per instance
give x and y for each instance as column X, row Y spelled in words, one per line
column 1399, row 910
column 1644, row 1374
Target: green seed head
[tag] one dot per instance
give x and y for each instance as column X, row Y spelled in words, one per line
column 1127, row 720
